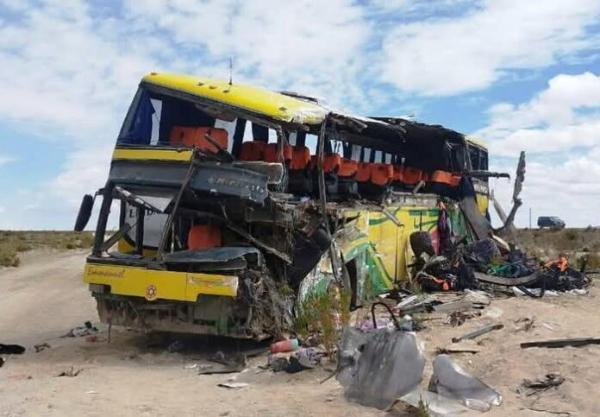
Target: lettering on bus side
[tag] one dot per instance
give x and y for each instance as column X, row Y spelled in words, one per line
column 102, row 272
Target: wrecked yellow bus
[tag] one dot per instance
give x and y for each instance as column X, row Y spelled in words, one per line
column 232, row 202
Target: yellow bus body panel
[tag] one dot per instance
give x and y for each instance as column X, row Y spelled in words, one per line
column 391, row 241
column 482, row 203
column 253, row 99
column 153, row 154
column 155, row 284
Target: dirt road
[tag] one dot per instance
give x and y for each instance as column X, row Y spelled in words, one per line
column 44, row 298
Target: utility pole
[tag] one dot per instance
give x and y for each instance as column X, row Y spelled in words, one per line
column 530, row 218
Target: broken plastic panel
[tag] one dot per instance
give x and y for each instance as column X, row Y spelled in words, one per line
column 450, row 380
column 437, row 406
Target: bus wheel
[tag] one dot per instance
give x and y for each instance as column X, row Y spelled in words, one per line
column 420, row 242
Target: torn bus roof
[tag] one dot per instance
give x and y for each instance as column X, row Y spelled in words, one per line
column 416, row 132
column 255, row 100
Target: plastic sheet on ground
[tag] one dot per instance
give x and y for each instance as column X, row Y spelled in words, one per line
column 378, row 366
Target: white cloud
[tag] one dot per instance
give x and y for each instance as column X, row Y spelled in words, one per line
column 316, row 48
column 444, row 56
column 83, row 173
column 567, row 188
column 559, row 128
column 564, row 116
column 66, row 71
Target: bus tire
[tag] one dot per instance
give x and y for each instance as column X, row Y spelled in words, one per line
column 420, row 242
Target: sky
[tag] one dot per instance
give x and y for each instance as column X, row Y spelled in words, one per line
column 519, row 75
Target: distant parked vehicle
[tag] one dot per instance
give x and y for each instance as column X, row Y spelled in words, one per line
column 550, row 222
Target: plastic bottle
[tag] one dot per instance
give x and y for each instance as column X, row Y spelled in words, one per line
column 286, row 345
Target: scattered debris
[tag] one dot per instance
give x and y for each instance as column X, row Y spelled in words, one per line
column 465, row 347
column 175, row 346
column 560, row 343
column 11, row 349
column 286, row 345
column 453, row 306
column 279, row 363
column 478, row 332
column 86, row 330
column 233, row 385
column 524, row 324
column 458, row 318
column 533, row 292
column 543, row 410
column 378, row 366
column 304, row 358
column 551, row 380
column 477, row 297
column 451, row 381
column 42, row 346
column 222, row 364
column 437, row 405
column 493, row 313
column 300, row 360
column 71, row 372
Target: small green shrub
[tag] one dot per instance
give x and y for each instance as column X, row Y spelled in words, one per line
column 571, row 235
column 23, row 247
column 593, row 261
column 9, row 259
column 321, row 313
column 422, row 409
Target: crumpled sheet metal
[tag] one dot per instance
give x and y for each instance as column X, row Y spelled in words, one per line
column 451, row 381
column 378, row 366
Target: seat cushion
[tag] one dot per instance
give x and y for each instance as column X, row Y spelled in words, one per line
column 252, row 151
column 272, row 156
column 204, row 236
column 348, row 168
column 300, row 157
column 194, row 136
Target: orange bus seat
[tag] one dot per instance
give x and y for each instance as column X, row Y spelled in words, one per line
column 204, row 236
column 271, row 153
column 331, row 162
column 348, row 168
column 455, row 181
column 195, row 137
column 363, row 174
column 398, row 173
column 412, row 175
column 381, row 174
column 300, row 157
column 252, row 151
column 445, row 177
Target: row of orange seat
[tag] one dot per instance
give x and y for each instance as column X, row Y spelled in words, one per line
column 299, row 158
column 382, row 174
